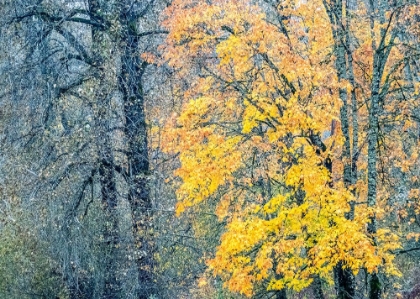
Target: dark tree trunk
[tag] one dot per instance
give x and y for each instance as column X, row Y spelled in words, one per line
column 282, row 294
column 375, row 287
column 130, row 84
column 344, row 280
column 381, row 54
column 110, row 234
column 317, row 288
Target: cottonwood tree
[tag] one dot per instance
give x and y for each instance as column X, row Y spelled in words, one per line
column 73, row 85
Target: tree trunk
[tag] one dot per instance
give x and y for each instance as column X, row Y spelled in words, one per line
column 130, row 85
column 375, row 285
column 110, row 234
column 381, row 54
column 106, row 166
column 344, row 279
column 317, row 288
column 282, row 294
column 344, row 282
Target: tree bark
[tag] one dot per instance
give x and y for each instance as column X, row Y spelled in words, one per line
column 381, row 54
column 282, row 294
column 375, row 285
column 107, row 178
column 130, row 85
column 344, row 279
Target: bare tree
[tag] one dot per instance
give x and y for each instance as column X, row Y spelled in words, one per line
column 73, row 79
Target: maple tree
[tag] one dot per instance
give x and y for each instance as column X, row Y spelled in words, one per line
column 265, row 130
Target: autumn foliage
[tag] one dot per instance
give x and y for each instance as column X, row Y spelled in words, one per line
column 260, row 131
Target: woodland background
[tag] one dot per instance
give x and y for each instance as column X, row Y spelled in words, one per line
column 209, row 149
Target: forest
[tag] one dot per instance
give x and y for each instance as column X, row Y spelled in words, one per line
column 215, row 149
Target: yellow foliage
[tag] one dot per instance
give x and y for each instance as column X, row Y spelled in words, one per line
column 248, row 125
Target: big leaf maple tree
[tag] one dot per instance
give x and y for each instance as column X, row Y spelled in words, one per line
column 264, row 129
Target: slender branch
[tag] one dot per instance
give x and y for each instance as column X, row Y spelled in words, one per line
column 153, row 32
column 407, row 250
column 54, row 19
column 71, row 39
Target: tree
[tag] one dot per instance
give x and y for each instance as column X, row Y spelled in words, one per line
column 88, row 125
column 265, row 131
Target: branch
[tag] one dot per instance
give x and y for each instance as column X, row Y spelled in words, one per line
column 117, row 168
column 407, row 250
column 54, row 19
column 88, row 181
column 385, row 31
column 276, row 69
column 152, row 33
column 71, row 39
column 88, row 22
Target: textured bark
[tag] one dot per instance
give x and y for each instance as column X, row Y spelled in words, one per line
column 373, row 141
column 130, row 85
column 375, row 285
column 381, row 54
column 107, row 179
column 317, row 288
column 344, row 282
column 350, row 10
column 344, row 279
column 110, row 234
column 282, row 294
column 341, row 67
